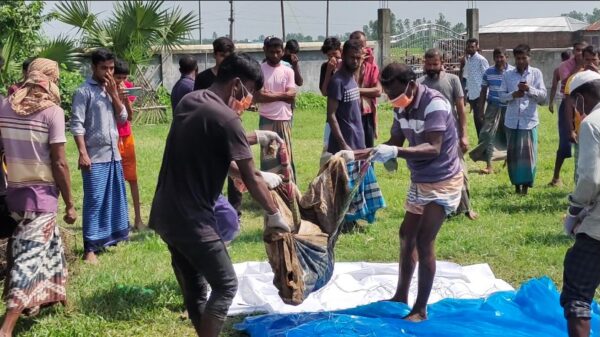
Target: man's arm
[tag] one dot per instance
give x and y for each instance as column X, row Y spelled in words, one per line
column 482, row 97
column 506, row 96
column 256, row 185
column 119, row 108
column 263, row 96
column 568, row 116
column 555, row 80
column 62, row 178
column 588, row 185
column 78, row 114
column 332, row 105
column 462, row 123
column 428, row 150
column 296, row 67
column 538, row 90
column 373, row 92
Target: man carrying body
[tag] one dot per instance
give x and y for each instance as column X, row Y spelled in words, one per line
column 475, row 67
column 188, row 67
column 449, row 86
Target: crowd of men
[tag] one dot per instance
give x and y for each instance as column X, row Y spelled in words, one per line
column 207, row 145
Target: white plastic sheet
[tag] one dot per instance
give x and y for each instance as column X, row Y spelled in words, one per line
column 359, row 283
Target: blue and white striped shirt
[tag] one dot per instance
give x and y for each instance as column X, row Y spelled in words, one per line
column 492, row 78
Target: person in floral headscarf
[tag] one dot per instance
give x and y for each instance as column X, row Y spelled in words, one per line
column 32, row 127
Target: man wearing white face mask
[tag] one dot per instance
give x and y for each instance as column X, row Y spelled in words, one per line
column 206, row 136
column 423, row 117
column 581, row 268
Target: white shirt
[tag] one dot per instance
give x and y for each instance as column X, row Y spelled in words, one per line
column 475, row 67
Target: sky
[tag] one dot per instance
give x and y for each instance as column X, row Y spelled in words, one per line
column 253, row 18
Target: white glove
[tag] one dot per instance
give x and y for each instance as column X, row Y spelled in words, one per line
column 347, row 155
column 276, row 221
column 383, row 153
column 265, row 138
column 273, row 180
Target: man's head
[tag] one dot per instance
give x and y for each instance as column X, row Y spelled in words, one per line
column 352, row 55
column 591, row 56
column 292, row 47
column 359, row 35
column 397, row 79
column 273, row 48
column 188, row 66
column 472, row 46
column 222, row 47
column 433, row 63
column 500, row 57
column 332, row 47
column 521, row 54
column 578, row 48
column 103, row 64
column 565, row 55
column 584, row 89
column 25, row 66
column 121, row 71
column 240, row 75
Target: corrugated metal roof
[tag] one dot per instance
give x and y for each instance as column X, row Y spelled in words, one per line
column 529, row 25
column 593, row 27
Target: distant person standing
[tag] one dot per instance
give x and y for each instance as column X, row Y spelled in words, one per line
column 222, row 47
column 290, row 55
column 332, row 48
column 276, row 97
column 96, row 111
column 475, row 67
column 522, row 89
column 188, row 67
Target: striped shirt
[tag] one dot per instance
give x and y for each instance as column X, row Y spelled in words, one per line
column 492, row 78
column 430, row 112
column 26, row 141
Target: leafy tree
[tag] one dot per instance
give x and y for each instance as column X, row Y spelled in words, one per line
column 407, row 24
column 459, row 28
column 441, row 20
column 592, row 17
column 575, row 15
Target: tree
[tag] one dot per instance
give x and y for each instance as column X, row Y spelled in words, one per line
column 407, row 24
column 441, row 20
column 575, row 15
column 459, row 28
column 592, row 17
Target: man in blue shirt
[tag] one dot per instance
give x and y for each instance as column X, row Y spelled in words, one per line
column 522, row 89
column 188, row 67
column 492, row 138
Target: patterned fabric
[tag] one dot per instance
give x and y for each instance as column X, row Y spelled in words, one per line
column 38, row 269
column 475, row 67
column 465, row 194
column 105, row 216
column 368, row 200
column 492, row 78
column 581, row 277
column 521, row 155
column 492, row 138
column 127, row 150
column 446, row 193
column 39, row 91
column 521, row 113
column 284, row 130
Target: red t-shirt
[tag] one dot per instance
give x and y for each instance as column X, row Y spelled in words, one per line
column 125, row 128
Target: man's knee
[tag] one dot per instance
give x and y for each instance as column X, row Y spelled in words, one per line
column 221, row 297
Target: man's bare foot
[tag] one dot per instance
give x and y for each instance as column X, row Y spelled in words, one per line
column 472, row 215
column 487, row 170
column 415, row 317
column 139, row 225
column 184, row 316
column 555, row 183
column 90, row 257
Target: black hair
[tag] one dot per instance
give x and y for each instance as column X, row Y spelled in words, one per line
column 292, row 46
column 580, row 43
column 273, row 42
column 472, row 40
column 433, row 52
column 592, row 50
column 591, row 88
column 26, row 63
column 352, row 45
column 121, row 67
column 565, row 55
column 521, row 49
column 240, row 65
column 397, row 72
column 331, row 43
column 223, row 45
column 499, row 51
column 357, row 35
column 187, row 64
column 102, row 55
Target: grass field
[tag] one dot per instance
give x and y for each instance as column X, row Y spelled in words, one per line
column 133, row 291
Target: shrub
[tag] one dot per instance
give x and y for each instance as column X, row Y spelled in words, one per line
column 311, row 101
column 69, row 82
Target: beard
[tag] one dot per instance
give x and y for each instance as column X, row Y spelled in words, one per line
column 433, row 73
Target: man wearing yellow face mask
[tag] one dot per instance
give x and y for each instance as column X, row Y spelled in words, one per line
column 424, row 118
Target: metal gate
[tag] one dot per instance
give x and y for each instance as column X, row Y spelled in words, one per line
column 410, row 46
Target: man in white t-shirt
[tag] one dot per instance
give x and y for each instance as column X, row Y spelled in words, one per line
column 275, row 100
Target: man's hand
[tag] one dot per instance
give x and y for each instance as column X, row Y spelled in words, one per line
column 518, row 94
column 523, row 86
column 111, row 85
column 70, row 215
column 573, row 137
column 383, row 153
column 294, row 59
column 464, row 144
column 84, row 162
column 264, row 137
column 271, row 179
column 592, row 67
column 348, row 156
column 551, row 107
column 332, row 65
column 275, row 221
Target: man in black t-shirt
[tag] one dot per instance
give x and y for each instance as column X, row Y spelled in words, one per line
column 222, row 47
column 207, row 142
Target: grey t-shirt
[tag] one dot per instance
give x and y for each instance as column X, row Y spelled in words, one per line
column 448, row 85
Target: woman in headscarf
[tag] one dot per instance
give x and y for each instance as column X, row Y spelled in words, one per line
column 32, row 127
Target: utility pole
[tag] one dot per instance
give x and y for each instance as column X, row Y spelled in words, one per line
column 327, row 20
column 199, row 22
column 231, row 19
column 282, row 21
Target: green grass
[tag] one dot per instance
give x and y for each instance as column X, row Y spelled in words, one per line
column 133, row 291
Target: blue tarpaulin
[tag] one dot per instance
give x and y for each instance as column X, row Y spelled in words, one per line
column 532, row 311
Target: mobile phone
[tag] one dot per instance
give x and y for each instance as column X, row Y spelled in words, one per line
column 135, row 91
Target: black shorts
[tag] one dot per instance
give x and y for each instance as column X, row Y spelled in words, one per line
column 581, row 277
